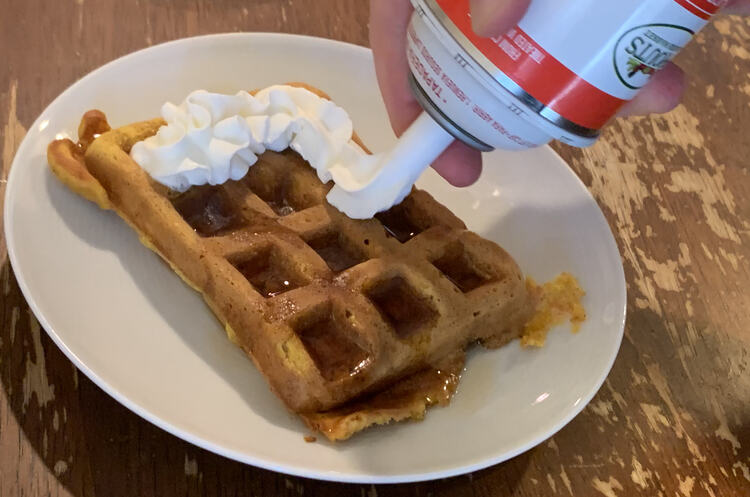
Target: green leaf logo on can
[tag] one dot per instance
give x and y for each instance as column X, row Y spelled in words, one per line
column 643, row 50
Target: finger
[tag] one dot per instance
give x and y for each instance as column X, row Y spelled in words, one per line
column 496, row 17
column 660, row 95
column 741, row 7
column 389, row 20
column 460, row 165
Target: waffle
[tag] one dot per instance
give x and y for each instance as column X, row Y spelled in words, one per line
column 334, row 312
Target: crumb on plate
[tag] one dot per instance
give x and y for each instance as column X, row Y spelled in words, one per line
column 558, row 300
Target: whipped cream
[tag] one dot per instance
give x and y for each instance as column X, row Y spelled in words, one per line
column 211, row 138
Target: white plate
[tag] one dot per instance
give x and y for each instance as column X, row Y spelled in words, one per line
column 144, row 337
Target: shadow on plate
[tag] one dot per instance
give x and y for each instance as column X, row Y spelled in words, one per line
column 229, row 362
column 141, row 264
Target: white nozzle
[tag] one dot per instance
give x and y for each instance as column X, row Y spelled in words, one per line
column 397, row 170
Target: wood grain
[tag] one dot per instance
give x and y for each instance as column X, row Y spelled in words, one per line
column 672, row 419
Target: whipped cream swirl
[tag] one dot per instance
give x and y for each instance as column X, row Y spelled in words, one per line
column 211, row 138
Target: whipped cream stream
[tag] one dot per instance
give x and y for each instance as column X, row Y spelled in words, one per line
column 211, row 138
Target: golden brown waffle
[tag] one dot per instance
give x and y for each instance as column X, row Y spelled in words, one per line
column 331, row 310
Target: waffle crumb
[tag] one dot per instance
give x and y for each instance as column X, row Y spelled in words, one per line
column 310, row 439
column 559, row 300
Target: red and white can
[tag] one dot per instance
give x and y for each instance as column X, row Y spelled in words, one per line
column 561, row 73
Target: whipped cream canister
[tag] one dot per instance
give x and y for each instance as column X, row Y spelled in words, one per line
column 561, row 73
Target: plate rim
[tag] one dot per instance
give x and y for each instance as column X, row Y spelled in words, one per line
column 286, row 468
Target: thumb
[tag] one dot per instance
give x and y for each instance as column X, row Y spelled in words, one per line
column 495, row 17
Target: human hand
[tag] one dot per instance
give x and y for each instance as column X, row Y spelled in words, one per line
column 461, row 165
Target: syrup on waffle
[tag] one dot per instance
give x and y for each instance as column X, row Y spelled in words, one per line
column 352, row 322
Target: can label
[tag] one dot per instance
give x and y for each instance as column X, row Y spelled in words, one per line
column 585, row 59
column 643, row 50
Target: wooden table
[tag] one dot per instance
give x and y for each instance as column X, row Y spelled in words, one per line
column 672, row 419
